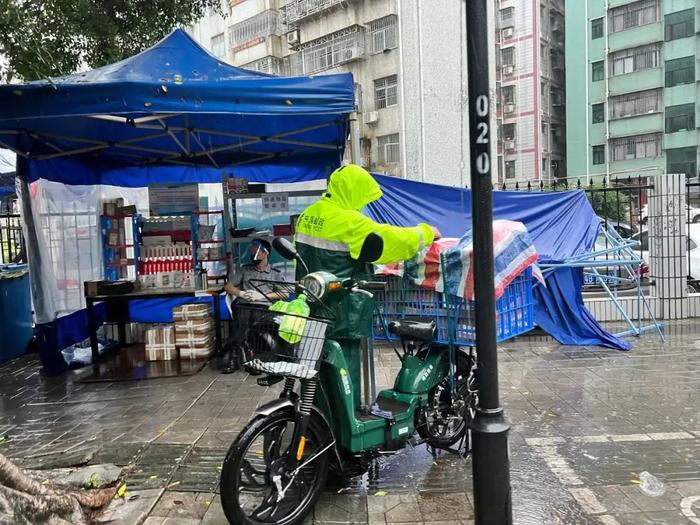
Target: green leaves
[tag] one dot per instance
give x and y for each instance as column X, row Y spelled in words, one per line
column 45, row 38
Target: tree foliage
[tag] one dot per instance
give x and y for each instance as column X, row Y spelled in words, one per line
column 611, row 205
column 45, row 38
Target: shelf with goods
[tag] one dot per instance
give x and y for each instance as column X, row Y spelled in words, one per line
column 119, row 252
column 209, row 249
column 236, row 190
column 171, row 248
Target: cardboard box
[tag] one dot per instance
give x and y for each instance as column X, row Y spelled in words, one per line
column 191, row 311
column 160, row 335
column 161, row 352
column 92, row 288
column 197, row 352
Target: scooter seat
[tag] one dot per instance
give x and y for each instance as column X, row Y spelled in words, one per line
column 413, row 330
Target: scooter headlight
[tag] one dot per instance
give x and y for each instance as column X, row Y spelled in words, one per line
column 315, row 284
column 320, row 283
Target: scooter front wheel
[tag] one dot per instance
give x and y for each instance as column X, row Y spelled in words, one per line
column 256, row 487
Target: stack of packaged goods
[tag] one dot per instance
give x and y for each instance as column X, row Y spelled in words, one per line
column 160, row 343
column 167, row 266
column 193, row 330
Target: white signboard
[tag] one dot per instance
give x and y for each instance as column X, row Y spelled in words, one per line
column 276, row 202
column 173, row 199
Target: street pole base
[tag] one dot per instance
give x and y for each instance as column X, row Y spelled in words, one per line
column 491, row 469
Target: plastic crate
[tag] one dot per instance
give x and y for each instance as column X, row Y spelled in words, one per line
column 403, row 299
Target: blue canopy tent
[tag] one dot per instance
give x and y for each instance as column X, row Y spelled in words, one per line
column 562, row 225
column 171, row 114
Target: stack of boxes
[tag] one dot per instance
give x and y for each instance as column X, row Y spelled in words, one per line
column 160, row 343
column 193, row 330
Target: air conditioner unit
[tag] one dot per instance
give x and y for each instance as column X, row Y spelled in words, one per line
column 509, row 108
column 509, row 144
column 507, row 33
column 508, row 70
column 293, row 37
column 350, row 54
column 371, row 117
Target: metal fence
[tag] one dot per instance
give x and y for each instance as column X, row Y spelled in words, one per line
column 12, row 248
column 620, row 204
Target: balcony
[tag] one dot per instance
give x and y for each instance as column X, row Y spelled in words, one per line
column 636, row 36
column 254, row 30
column 295, row 11
column 335, row 49
column 636, row 125
column 270, row 64
column 637, row 81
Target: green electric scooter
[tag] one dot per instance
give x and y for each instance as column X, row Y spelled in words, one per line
column 276, row 468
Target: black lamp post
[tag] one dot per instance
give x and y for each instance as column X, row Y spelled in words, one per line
column 492, row 496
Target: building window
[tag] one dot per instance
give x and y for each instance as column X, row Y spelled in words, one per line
column 508, row 56
column 680, row 118
column 510, row 169
column 386, row 92
column 635, row 59
column 543, row 128
column 218, row 45
column 598, row 71
column 508, row 94
column 634, row 15
column 598, row 113
column 508, row 132
column 638, row 147
column 383, row 33
column 507, row 17
column 596, row 28
column 639, row 103
column 599, row 154
column 680, row 71
column 682, row 160
column 388, row 149
column 680, row 24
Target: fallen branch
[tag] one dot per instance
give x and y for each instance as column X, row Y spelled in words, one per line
column 25, row 499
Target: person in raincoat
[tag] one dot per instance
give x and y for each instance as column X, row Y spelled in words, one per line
column 329, row 237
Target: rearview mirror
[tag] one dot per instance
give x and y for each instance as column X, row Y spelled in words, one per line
column 285, row 248
column 372, row 248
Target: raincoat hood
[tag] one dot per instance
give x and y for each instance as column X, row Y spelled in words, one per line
column 352, row 188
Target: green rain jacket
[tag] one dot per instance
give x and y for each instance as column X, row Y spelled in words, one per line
column 329, row 237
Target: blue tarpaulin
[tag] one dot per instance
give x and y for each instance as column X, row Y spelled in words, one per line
column 175, row 113
column 561, row 225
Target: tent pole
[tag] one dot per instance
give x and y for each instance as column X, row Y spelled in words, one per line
column 489, row 428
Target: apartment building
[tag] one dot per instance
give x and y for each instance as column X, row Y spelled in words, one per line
column 632, row 76
column 530, row 86
column 309, row 37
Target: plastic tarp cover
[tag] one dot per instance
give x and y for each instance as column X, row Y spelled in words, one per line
column 152, row 117
column 560, row 224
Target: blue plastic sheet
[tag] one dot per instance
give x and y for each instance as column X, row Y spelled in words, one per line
column 139, row 121
column 561, row 225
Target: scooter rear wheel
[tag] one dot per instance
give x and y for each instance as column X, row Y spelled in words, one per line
column 447, row 416
column 249, row 494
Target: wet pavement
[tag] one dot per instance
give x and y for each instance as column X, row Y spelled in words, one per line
column 585, row 423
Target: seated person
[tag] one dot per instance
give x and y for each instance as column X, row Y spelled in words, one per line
column 240, row 288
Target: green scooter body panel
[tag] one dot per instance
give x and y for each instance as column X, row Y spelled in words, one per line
column 338, row 404
column 357, row 433
column 418, row 376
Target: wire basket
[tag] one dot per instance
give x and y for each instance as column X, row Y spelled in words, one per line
column 454, row 316
column 284, row 344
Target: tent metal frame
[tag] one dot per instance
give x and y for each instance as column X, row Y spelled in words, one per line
column 183, row 138
column 619, row 255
